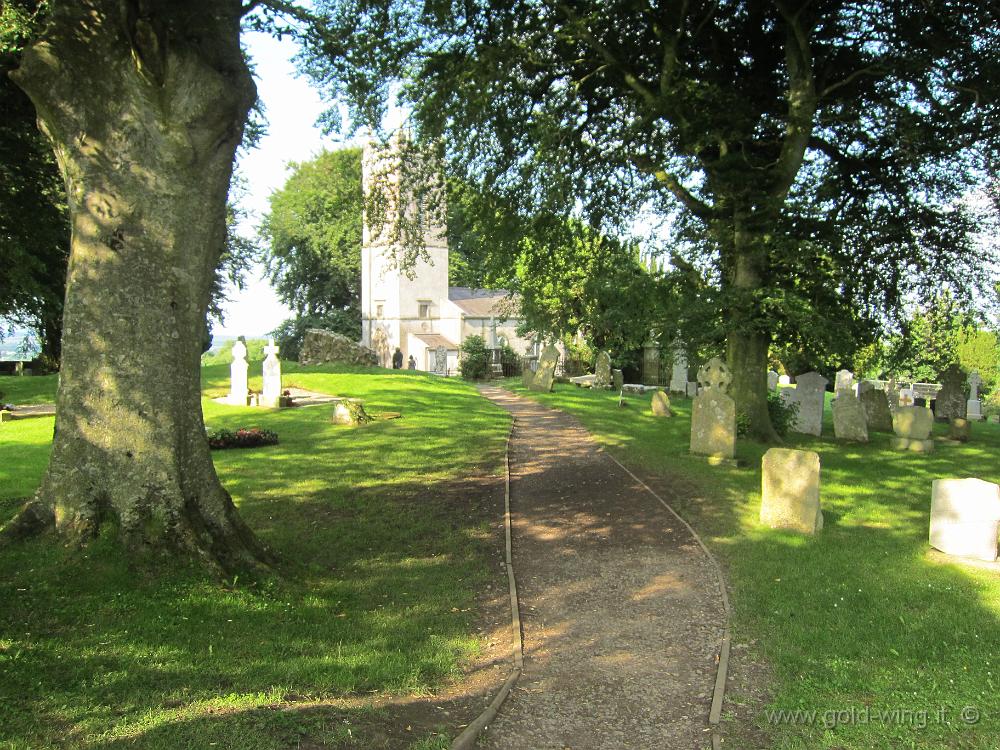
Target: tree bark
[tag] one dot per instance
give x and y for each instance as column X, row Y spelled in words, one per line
column 144, row 103
column 747, row 339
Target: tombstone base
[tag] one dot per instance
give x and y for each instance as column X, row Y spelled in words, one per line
column 912, row 445
column 6, row 416
column 272, row 402
column 717, row 460
column 235, row 401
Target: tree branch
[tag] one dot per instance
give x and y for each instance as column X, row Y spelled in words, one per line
column 691, row 202
column 868, row 70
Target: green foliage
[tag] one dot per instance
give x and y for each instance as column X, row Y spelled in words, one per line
column 313, row 235
column 224, row 354
column 291, row 333
column 782, row 413
column 980, row 351
column 474, row 361
column 244, row 437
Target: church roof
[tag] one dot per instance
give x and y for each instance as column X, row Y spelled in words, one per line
column 434, row 340
column 481, row 303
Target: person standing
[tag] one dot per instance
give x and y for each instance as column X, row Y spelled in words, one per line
column 411, row 364
column 397, row 359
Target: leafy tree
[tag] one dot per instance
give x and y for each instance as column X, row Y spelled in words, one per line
column 144, row 105
column 313, row 235
column 475, row 358
column 812, row 152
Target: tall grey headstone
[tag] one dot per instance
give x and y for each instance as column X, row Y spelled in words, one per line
column 238, row 375
column 849, row 421
column 713, row 414
column 790, row 490
column 679, row 373
column 441, row 360
column 877, row 414
column 843, row 382
column 545, row 375
column 650, row 363
column 602, row 371
column 809, row 395
column 618, row 378
column 271, row 393
column 951, row 401
column 974, row 407
column 772, row 380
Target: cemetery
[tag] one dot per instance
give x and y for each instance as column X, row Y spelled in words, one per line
column 622, row 376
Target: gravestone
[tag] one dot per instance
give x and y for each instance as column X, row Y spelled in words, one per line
column 527, row 374
column 772, row 380
column 878, row 416
column 849, row 422
column 790, row 490
column 349, row 411
column 784, row 380
column 546, row 372
column 844, row 381
column 974, row 407
column 912, row 425
column 960, row 430
column 659, row 402
column 238, row 375
column 892, row 393
column 679, row 373
column 618, row 379
column 650, row 363
column 270, row 394
column 864, row 386
column 713, row 415
column 441, row 360
column 951, row 399
column 602, row 371
column 809, row 394
column 965, row 515
column 691, row 389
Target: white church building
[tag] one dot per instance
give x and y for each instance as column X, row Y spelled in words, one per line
column 415, row 309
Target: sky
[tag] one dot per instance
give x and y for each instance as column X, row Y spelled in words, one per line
column 291, row 107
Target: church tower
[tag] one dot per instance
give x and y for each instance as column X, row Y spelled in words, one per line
column 401, row 295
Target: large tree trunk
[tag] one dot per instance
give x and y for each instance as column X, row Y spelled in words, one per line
column 747, row 340
column 144, row 102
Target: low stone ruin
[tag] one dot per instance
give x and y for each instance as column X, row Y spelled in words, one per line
column 321, row 346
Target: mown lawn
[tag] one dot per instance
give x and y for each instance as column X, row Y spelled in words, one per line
column 382, row 561
column 861, row 618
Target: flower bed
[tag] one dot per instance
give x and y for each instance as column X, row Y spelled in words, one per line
column 245, row 437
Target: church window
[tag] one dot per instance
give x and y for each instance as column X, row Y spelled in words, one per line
column 379, row 310
column 424, row 309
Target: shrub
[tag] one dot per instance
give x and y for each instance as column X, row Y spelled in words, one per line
column 782, row 413
column 245, row 437
column 475, row 359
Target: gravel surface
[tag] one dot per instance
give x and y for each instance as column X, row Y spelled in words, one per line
column 620, row 608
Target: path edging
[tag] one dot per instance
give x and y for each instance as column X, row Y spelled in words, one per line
column 471, row 733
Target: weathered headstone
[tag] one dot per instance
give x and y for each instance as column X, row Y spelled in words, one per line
column 892, row 393
column 849, row 422
column 878, row 416
column 784, row 380
column 692, row 389
column 441, row 360
column 546, row 372
column 602, row 371
column 912, row 425
column 527, row 374
column 659, row 402
column 960, row 430
column 238, row 375
column 809, row 394
column 864, row 386
column 349, row 411
column 974, row 407
column 844, row 381
column 618, row 379
column 270, row 394
column 965, row 515
column 790, row 490
column 679, row 373
column 951, row 398
column 713, row 415
column 772, row 380
column 651, row 362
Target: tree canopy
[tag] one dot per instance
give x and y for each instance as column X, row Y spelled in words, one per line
column 813, row 153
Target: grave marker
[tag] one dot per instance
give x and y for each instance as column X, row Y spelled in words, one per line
column 713, row 415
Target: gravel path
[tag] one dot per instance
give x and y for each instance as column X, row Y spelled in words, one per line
column 621, row 612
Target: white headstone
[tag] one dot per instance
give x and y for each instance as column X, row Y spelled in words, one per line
column 271, row 392
column 772, row 380
column 238, row 375
column 844, row 381
column 907, row 397
column 784, row 380
column 965, row 514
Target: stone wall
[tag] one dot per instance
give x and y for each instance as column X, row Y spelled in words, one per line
column 321, row 346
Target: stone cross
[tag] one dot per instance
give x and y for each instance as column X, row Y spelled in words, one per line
column 713, row 414
column 974, row 407
column 974, row 382
column 714, row 374
column 440, row 359
column 238, row 375
column 271, row 393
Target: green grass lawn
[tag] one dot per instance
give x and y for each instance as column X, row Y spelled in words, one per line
column 382, row 561
column 25, row 390
column 860, row 617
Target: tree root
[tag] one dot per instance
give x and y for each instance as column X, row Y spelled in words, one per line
column 33, row 519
